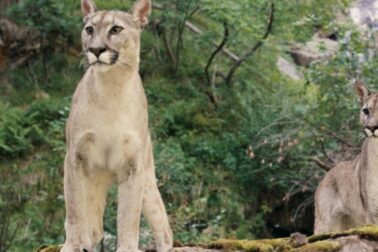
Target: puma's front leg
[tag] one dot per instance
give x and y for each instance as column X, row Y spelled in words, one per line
column 130, row 194
column 156, row 215
column 77, row 239
column 153, row 207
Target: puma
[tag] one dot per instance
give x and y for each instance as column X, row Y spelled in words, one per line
column 108, row 139
column 347, row 197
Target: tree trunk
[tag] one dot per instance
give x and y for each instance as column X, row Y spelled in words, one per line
column 18, row 44
column 5, row 3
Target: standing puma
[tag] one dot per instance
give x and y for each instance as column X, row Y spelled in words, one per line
column 347, row 197
column 108, row 140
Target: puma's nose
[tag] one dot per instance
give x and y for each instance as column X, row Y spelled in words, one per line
column 97, row 51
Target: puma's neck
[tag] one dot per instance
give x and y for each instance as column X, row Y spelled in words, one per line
column 113, row 85
column 369, row 174
column 105, row 74
column 114, row 80
column 369, row 159
column 370, row 152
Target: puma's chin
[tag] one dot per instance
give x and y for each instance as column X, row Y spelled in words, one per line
column 102, row 67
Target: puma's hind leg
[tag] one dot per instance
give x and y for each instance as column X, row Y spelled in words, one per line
column 329, row 211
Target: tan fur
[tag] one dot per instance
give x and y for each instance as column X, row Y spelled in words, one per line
column 347, row 197
column 108, row 138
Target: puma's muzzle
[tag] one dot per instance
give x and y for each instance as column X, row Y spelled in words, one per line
column 101, row 56
column 371, row 131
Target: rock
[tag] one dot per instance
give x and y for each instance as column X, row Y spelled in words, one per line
column 18, row 44
column 354, row 243
column 364, row 14
column 364, row 239
column 192, row 249
column 41, row 95
column 298, row 240
column 109, row 242
column 317, row 48
column 289, row 69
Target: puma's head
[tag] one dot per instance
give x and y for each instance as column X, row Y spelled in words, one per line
column 369, row 110
column 112, row 38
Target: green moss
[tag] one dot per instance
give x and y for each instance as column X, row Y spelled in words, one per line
column 322, row 237
column 49, row 249
column 252, row 246
column 320, row 246
column 367, row 232
column 276, row 245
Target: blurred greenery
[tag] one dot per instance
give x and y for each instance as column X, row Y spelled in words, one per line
column 239, row 165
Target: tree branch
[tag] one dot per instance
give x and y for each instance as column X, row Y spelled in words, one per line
column 253, row 50
column 324, row 151
column 168, row 47
column 216, row 52
column 334, row 135
column 321, row 164
column 197, row 30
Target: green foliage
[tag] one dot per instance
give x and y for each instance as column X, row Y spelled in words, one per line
column 52, row 18
column 35, row 137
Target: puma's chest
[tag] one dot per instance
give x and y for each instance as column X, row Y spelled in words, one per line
column 117, row 151
column 107, row 139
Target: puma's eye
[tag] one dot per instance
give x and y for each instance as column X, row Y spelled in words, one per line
column 115, row 30
column 366, row 111
column 89, row 30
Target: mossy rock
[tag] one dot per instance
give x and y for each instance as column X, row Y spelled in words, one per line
column 316, row 243
column 275, row 245
column 320, row 246
column 369, row 232
column 50, row 249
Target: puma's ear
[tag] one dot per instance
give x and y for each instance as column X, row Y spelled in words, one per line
column 87, row 7
column 361, row 90
column 141, row 11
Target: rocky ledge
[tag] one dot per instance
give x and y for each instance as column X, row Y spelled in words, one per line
column 364, row 239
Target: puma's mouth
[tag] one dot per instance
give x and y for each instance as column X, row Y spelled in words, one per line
column 108, row 58
column 369, row 133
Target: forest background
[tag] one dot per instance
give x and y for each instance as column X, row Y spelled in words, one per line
column 250, row 102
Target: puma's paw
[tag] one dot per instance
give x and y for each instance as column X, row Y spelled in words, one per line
column 74, row 248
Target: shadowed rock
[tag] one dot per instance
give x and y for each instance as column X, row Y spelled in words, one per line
column 18, row 44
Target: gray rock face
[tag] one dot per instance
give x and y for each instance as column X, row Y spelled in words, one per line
column 18, row 44
column 317, row 48
column 289, row 69
column 354, row 244
column 364, row 13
